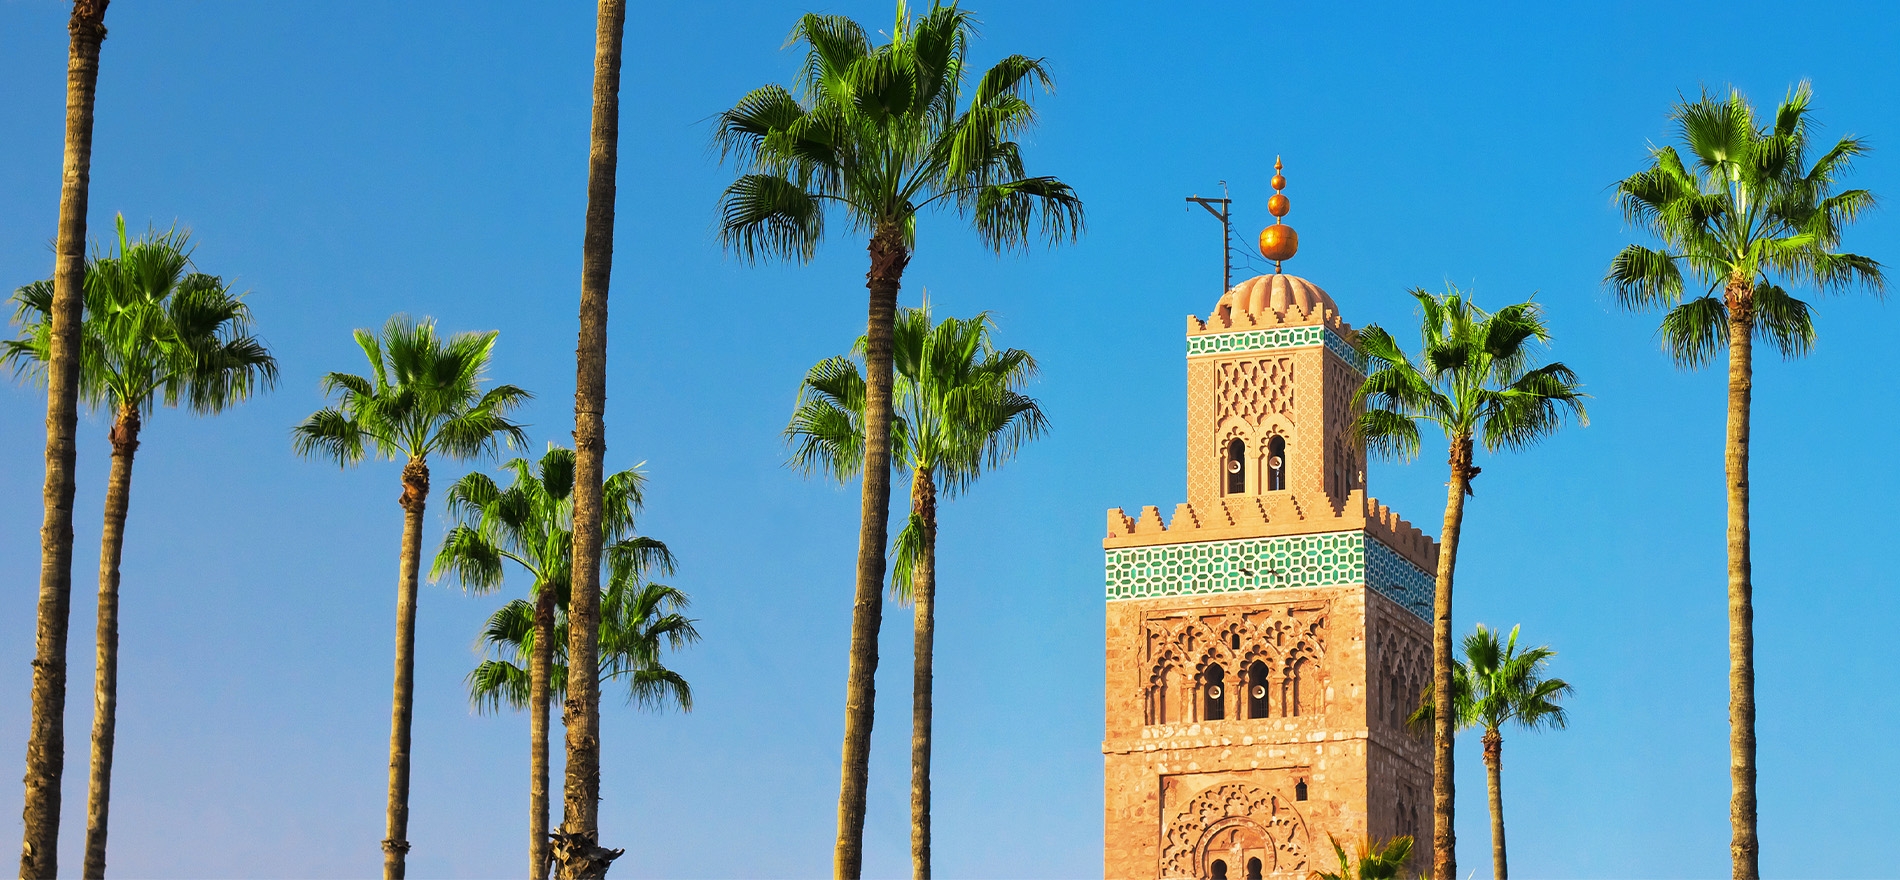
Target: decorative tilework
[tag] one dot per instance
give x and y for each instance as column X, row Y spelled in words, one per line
column 1243, row 564
column 1346, row 352
column 1255, row 340
column 1399, row 579
column 1278, row 337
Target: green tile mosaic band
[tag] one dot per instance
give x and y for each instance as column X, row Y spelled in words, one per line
column 1276, row 338
column 1243, row 564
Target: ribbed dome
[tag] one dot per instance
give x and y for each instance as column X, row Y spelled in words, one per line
column 1274, row 299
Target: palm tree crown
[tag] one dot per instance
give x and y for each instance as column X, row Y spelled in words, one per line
column 879, row 132
column 638, row 621
column 531, row 524
column 958, row 408
column 1472, row 378
column 1745, row 213
column 153, row 331
column 423, row 396
column 1496, row 684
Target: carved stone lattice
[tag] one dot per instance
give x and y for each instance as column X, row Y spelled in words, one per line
column 1403, row 667
column 1289, row 641
column 1254, row 390
column 1245, row 818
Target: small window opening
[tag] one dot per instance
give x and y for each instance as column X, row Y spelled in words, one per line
column 1276, row 464
column 1299, row 791
column 1216, row 679
column 1257, row 690
column 1253, row 869
column 1219, row 869
column 1235, row 641
column 1236, row 467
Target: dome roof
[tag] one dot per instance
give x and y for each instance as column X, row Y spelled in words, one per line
column 1274, row 299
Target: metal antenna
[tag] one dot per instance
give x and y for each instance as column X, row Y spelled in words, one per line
column 1226, row 234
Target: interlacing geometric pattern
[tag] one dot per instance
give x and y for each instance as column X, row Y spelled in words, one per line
column 1267, row 820
column 1270, row 659
column 1253, row 390
column 1401, row 581
column 1241, row 564
column 1277, row 338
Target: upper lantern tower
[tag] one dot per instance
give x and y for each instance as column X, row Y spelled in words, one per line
column 1266, row 642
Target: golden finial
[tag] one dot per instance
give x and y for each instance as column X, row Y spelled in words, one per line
column 1278, row 242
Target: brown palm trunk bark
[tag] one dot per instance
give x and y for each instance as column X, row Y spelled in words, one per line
column 923, row 590
column 415, row 496
column 888, row 259
column 1444, row 838
column 1744, row 847
column 46, row 732
column 105, row 689
column 577, row 850
column 540, row 660
column 1494, row 780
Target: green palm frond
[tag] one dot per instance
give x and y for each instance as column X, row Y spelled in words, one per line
column 882, row 132
column 423, row 396
column 906, row 548
column 1473, row 378
column 152, row 331
column 530, row 522
column 1746, row 221
column 1496, row 684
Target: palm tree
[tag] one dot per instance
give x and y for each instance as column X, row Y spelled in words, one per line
column 46, row 732
column 577, row 848
column 423, row 396
column 531, row 524
column 1751, row 214
column 957, row 410
column 1369, row 860
column 877, row 132
column 152, row 332
column 1493, row 686
column 1473, row 379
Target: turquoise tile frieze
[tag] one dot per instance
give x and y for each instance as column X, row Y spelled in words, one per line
column 1346, row 352
column 1242, row 564
column 1256, row 340
column 1278, row 337
column 1399, row 580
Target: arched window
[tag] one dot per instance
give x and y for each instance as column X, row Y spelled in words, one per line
column 1299, row 791
column 1215, row 681
column 1236, row 466
column 1253, row 869
column 1276, row 463
column 1218, row 869
column 1257, row 690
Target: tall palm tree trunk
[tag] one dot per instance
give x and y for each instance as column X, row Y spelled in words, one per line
column 1744, row 847
column 1444, row 838
column 923, row 502
column 1493, row 777
column 415, row 496
column 888, row 259
column 540, row 660
column 46, row 733
column 578, row 851
column 105, row 690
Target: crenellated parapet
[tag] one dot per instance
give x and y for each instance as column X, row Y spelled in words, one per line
column 1238, row 516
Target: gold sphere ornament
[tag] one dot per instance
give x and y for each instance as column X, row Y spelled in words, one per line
column 1279, row 242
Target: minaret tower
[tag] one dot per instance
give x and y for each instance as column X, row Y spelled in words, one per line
column 1267, row 641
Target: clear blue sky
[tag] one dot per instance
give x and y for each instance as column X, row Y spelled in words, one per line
column 344, row 161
